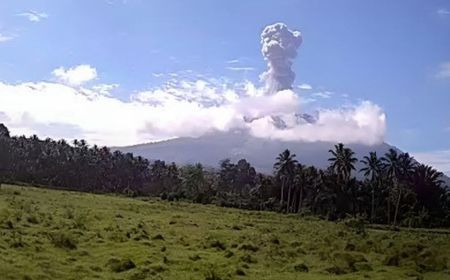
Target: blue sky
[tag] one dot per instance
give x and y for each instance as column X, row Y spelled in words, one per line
column 395, row 54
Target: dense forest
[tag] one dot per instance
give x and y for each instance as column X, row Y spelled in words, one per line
column 395, row 189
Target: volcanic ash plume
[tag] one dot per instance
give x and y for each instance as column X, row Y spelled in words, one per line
column 279, row 48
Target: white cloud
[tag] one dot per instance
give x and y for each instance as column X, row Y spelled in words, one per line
column 76, row 75
column 240, row 68
column 443, row 12
column 157, row 75
column 444, row 70
column 178, row 108
column 105, row 89
column 305, row 87
column 362, row 123
column 232, row 61
column 34, row 16
column 5, row 38
column 323, row 94
column 438, row 159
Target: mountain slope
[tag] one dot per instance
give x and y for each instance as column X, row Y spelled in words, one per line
column 261, row 153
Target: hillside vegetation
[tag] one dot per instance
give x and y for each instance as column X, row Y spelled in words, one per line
column 50, row 234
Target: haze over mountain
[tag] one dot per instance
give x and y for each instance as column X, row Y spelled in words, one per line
column 211, row 148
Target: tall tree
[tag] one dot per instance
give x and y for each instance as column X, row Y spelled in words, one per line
column 342, row 162
column 5, row 152
column 372, row 169
column 284, row 168
column 391, row 164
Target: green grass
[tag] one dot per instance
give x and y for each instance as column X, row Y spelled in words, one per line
column 50, row 234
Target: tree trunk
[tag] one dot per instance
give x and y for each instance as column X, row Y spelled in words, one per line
column 294, row 206
column 372, row 211
column 389, row 207
column 301, row 198
column 397, row 206
column 282, row 191
column 289, row 199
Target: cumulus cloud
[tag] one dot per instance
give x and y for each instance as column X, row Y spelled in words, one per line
column 34, row 16
column 362, row 123
column 444, row 70
column 279, row 48
column 76, row 75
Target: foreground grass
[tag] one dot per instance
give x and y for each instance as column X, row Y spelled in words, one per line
column 49, row 234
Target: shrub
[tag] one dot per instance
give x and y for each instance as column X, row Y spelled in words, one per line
column 248, row 259
column 218, row 245
column 228, row 254
column 195, row 257
column 240, row 272
column 301, row 267
column 119, row 265
column 158, row 237
column 62, row 240
column 211, row 274
column 249, row 247
column 32, row 219
column 358, row 225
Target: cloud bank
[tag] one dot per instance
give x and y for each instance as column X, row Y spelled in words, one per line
column 186, row 107
column 181, row 109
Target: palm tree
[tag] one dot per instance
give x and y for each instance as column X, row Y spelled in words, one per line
column 427, row 183
column 372, row 168
column 342, row 162
column 406, row 168
column 392, row 167
column 285, row 167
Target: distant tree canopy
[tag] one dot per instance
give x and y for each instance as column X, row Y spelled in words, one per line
column 395, row 189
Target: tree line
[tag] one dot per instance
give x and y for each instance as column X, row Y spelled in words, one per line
column 394, row 189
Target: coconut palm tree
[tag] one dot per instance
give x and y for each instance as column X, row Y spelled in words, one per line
column 391, row 164
column 342, row 162
column 372, row 168
column 406, row 165
column 427, row 183
column 284, row 168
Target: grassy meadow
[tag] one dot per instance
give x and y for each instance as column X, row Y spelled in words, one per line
column 51, row 234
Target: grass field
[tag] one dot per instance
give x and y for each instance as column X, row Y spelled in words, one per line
column 49, row 234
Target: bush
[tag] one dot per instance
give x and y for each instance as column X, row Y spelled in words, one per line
column 240, row 272
column 120, row 265
column 249, row 247
column 211, row 274
column 248, row 259
column 62, row 240
column 301, row 267
column 158, row 237
column 218, row 245
column 358, row 225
